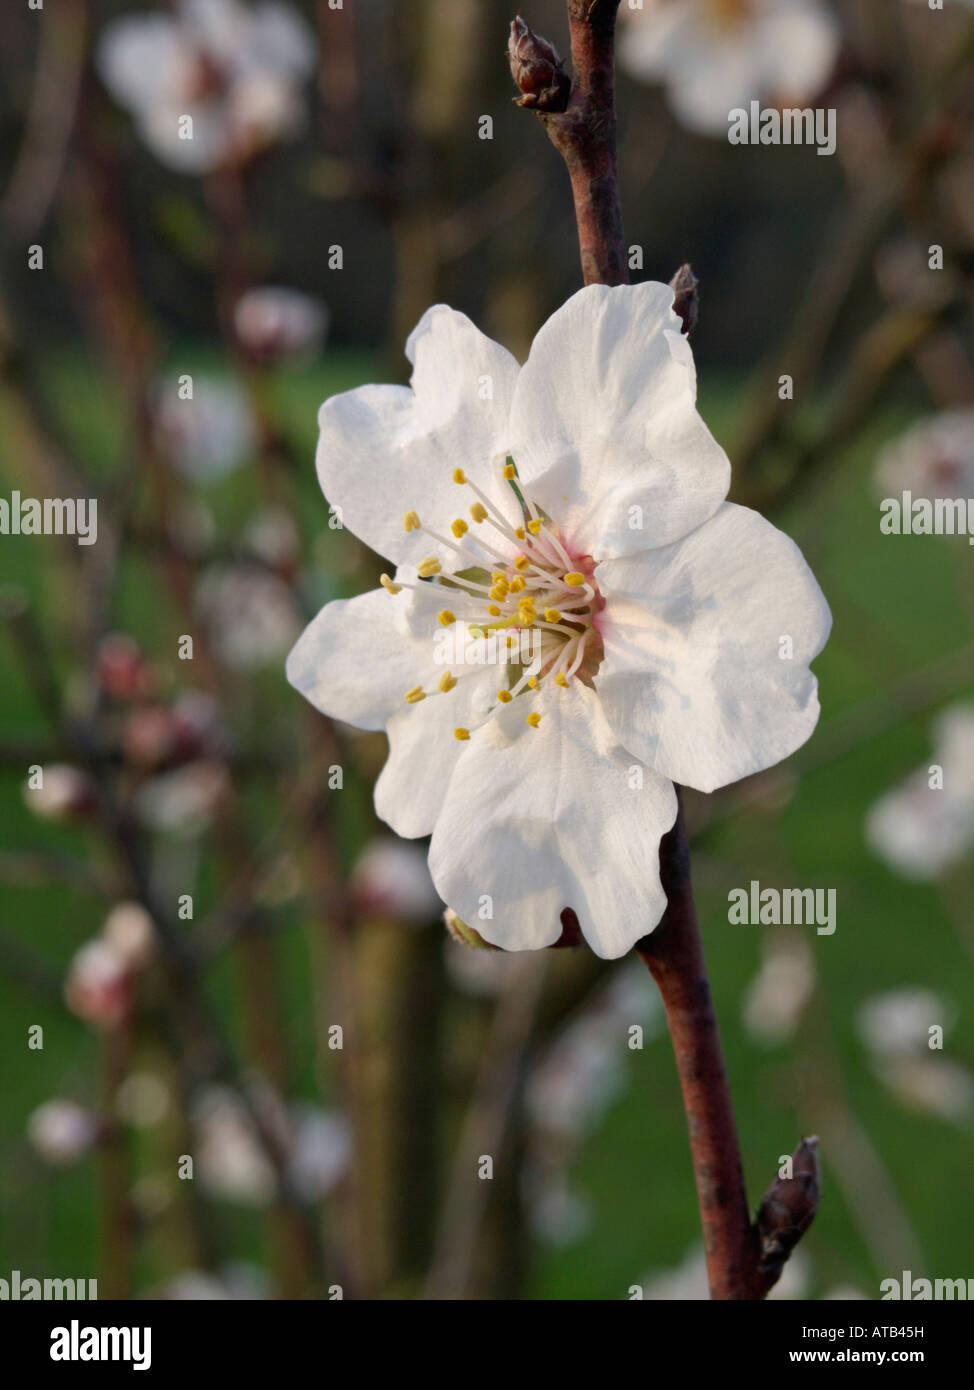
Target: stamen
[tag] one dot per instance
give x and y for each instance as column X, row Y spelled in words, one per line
column 479, row 512
column 534, row 719
column 414, row 695
column 461, row 734
column 411, row 521
column 428, row 567
column 447, row 682
column 388, row 585
column 574, row 579
column 446, row 617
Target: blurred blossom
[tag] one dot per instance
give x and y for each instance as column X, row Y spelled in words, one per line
column 159, row 735
column 183, row 802
column 895, row 1029
column 935, row 1084
column 904, row 276
column 208, row 436
column 251, row 614
column 560, row 1214
column 272, row 537
column 98, row 987
column 688, row 1281
column 61, row 1131
column 932, row 459
column 123, row 671
column 65, row 791
column 130, row 932
column 715, row 55
column 778, row 994
column 391, row 878
column 896, row 1024
column 236, row 69
column 142, row 1099
column 230, row 1161
column 235, row 1281
column 920, row 830
column 322, row 1147
column 273, row 324
column 843, row 1293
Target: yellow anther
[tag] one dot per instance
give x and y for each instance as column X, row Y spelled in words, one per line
column 509, row 471
column 459, row 476
column 534, row 526
column 446, row 617
column 533, row 682
column 574, row 578
column 498, row 592
column 561, row 680
column 534, row 719
column 510, row 641
column 517, row 584
column 478, row 511
column 522, row 562
column 551, row 615
column 447, row 682
column 493, row 610
column 461, row 734
column 388, row 585
column 428, row 567
column 505, row 697
column 526, row 611
column 411, row 521
column 458, row 527
column 499, row 577
column 519, row 532
column 414, row 696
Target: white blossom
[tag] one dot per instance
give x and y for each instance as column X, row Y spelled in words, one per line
column 714, row 56
column 235, row 70
column 662, row 634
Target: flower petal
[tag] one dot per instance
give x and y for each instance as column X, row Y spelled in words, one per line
column 696, row 680
column 424, row 754
column 550, row 819
column 604, row 425
column 358, row 657
column 386, row 450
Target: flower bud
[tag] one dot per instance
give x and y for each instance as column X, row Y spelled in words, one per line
column 123, row 671
column 537, row 71
column 787, row 1209
column 98, row 987
column 464, row 934
column 686, row 303
column 64, row 793
column 130, row 932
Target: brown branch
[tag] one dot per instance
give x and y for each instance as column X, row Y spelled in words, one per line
column 674, row 956
column 582, row 126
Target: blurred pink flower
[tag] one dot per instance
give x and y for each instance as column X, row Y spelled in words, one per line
column 273, row 324
column 99, row 985
column 391, row 878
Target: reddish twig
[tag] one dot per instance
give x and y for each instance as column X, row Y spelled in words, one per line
column 581, row 126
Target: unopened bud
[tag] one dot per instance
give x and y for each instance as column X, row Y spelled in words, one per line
column 464, row 934
column 787, row 1209
column 686, row 302
column 537, row 71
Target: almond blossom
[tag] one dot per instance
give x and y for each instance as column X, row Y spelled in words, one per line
column 234, row 69
column 715, row 55
column 613, row 625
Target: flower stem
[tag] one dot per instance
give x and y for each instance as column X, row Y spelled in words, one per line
column 674, row 956
column 584, row 134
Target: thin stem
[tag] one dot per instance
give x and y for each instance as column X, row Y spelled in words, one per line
column 674, row 956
